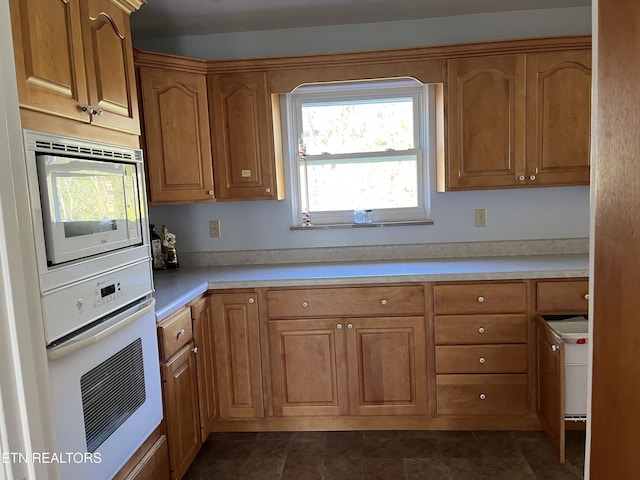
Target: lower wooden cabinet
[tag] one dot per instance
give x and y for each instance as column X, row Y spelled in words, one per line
column 236, row 333
column 497, row 395
column 180, row 395
column 203, row 337
column 348, row 366
column 150, row 461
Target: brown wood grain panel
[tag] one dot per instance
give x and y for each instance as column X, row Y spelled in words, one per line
column 387, row 366
column 309, row 370
column 482, row 358
column 615, row 417
column 567, row 296
column 478, row 329
column 174, row 333
column 480, row 298
column 492, row 395
column 177, row 138
column 317, row 302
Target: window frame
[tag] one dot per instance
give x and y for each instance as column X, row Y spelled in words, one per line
column 423, row 117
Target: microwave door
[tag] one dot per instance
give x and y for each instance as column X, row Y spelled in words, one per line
column 89, row 207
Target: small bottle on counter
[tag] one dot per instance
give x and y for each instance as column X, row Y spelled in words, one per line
column 156, row 249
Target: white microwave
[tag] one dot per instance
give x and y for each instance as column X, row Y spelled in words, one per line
column 90, row 206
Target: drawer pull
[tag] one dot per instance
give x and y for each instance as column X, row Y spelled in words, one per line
column 195, row 349
column 481, row 360
column 554, row 348
column 481, row 299
column 482, row 396
column 350, row 326
column 383, row 301
column 251, row 300
column 481, row 330
column 586, row 296
column 181, row 332
column 305, row 304
column 339, row 326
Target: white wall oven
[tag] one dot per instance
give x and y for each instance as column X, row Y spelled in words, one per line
column 89, row 218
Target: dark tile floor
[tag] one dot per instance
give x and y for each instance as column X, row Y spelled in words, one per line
column 393, row 455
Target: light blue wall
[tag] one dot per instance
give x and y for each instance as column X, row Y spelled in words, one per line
column 524, row 214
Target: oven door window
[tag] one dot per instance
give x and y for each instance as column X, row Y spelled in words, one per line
column 111, row 392
column 89, row 206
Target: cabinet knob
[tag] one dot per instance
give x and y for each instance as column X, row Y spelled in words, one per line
column 481, row 330
column 586, row 296
column 339, row 326
column 251, row 300
column 521, row 178
column 195, row 349
column 305, row 304
column 350, row 326
column 267, row 190
column 554, row 348
column 181, row 332
column 210, row 192
column 532, row 178
column 481, row 360
column 482, row 396
column 383, row 301
column 481, row 299
column 88, row 109
column 98, row 112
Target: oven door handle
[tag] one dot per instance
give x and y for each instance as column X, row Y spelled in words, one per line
column 102, row 331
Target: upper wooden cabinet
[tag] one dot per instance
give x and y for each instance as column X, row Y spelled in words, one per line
column 176, row 130
column 486, row 117
column 558, row 118
column 518, row 120
column 74, row 60
column 245, row 120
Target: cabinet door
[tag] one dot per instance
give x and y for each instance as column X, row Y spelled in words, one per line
column 109, row 62
column 242, row 120
column 203, row 338
column 550, row 405
column 154, row 465
column 176, row 125
column 387, row 366
column 180, row 391
column 308, row 367
column 559, row 118
column 486, row 122
column 47, row 40
column 236, row 332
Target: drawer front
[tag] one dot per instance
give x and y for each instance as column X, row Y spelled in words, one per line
column 482, row 395
column 470, row 329
column 174, row 333
column 480, row 298
column 481, row 359
column 562, row 297
column 352, row 301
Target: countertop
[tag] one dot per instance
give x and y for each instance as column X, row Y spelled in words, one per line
column 175, row 288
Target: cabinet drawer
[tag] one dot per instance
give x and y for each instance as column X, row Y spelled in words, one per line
column 174, row 333
column 480, row 298
column 352, row 301
column 481, row 359
column 482, row 394
column 562, row 297
column 470, row 329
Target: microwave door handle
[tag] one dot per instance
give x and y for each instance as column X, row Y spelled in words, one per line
column 102, row 331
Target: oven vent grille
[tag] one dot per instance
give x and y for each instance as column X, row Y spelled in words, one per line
column 111, row 392
column 82, row 150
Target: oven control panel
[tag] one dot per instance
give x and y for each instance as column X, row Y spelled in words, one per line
column 74, row 306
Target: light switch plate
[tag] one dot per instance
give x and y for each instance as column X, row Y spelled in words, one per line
column 214, row 228
column 481, row 217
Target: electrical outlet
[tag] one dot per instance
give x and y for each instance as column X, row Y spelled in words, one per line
column 481, row 217
column 214, row 228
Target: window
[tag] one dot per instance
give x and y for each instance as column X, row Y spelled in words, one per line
column 359, row 146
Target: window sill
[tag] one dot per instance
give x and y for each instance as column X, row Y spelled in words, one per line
column 360, row 225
